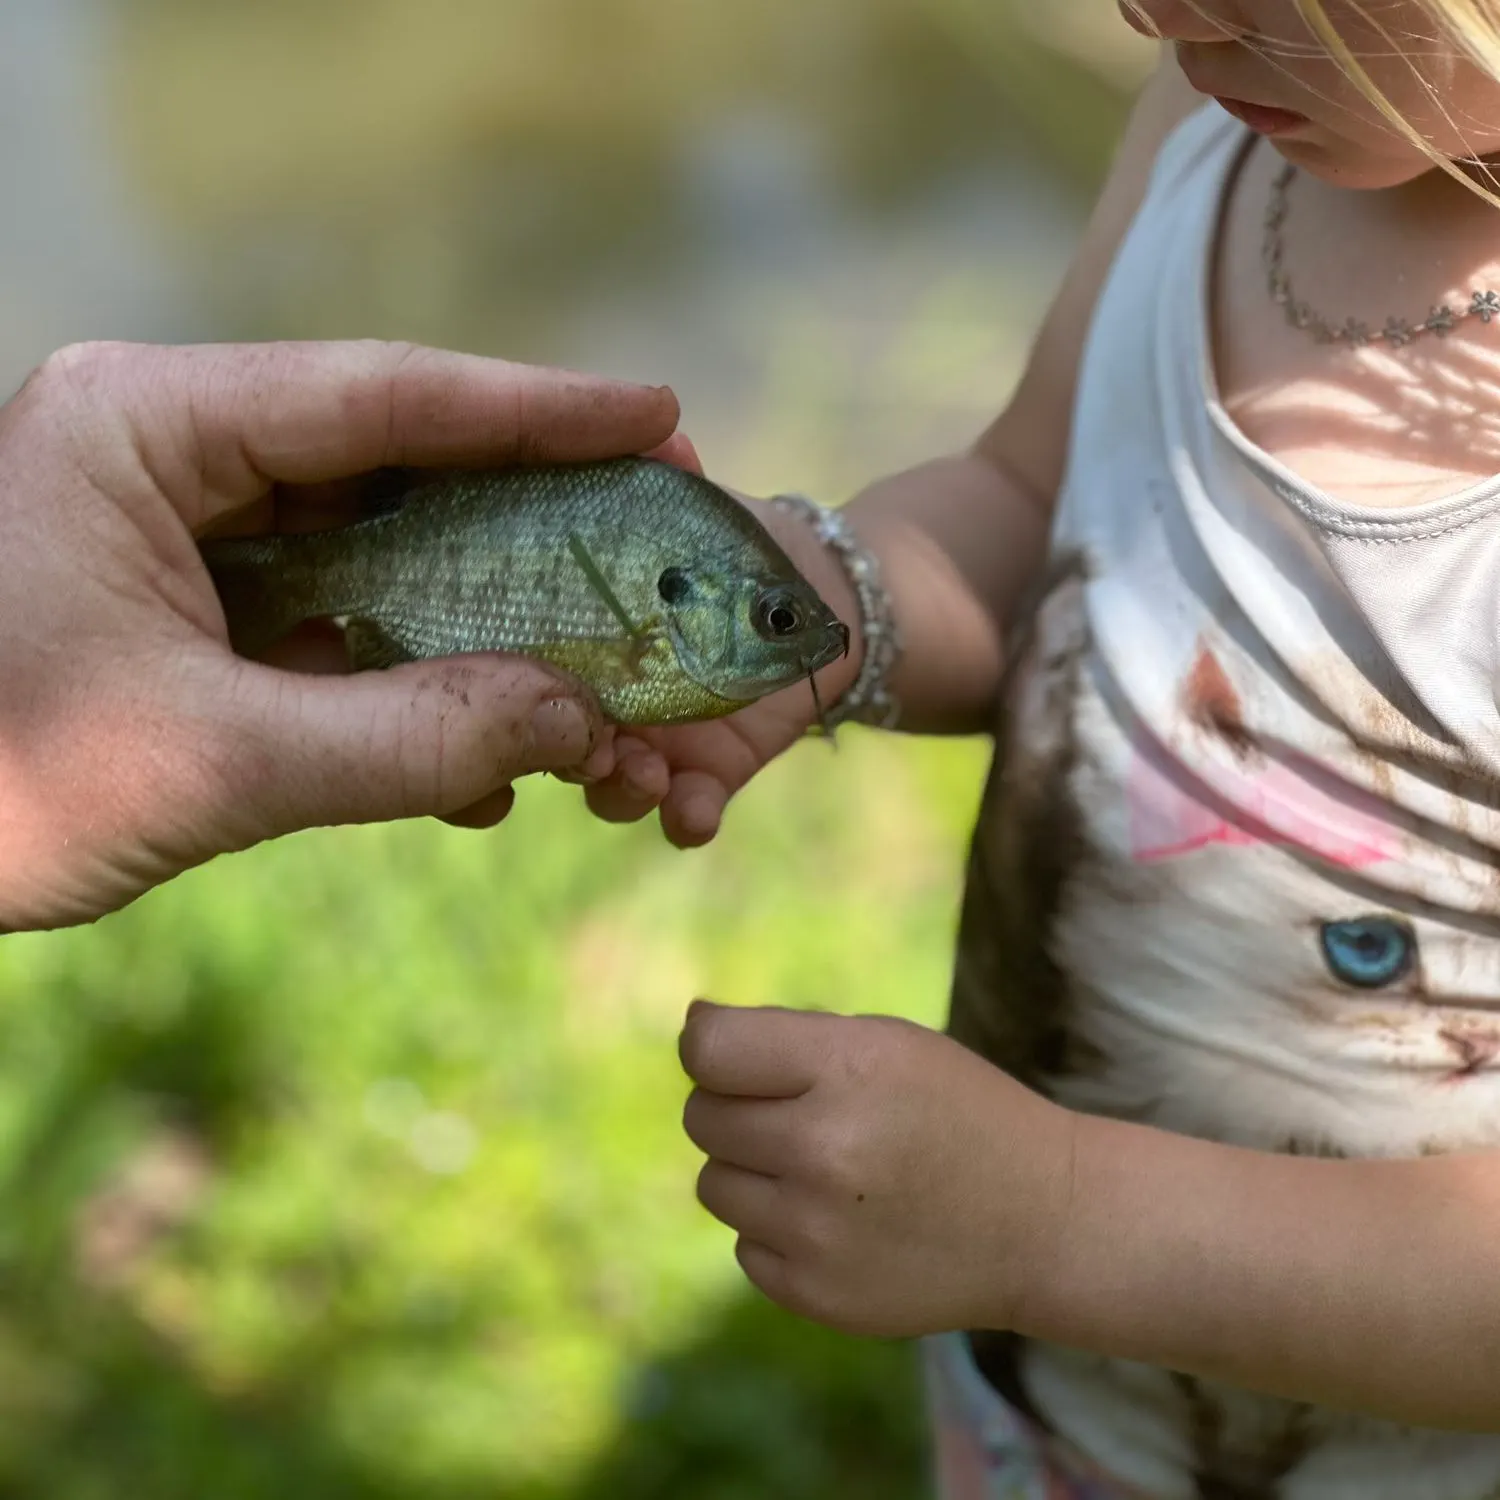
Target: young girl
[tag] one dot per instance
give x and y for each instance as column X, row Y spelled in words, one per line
column 1201, row 1197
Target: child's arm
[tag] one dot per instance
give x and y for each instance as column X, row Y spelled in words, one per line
column 1368, row 1285
column 960, row 539
column 885, row 1180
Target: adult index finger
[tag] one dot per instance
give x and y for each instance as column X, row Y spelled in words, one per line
column 216, row 425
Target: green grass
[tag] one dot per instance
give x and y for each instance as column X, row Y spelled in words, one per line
column 446, row 1243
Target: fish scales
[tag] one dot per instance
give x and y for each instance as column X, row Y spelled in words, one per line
column 654, row 585
column 507, row 577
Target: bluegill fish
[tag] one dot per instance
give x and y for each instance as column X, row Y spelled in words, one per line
column 651, row 584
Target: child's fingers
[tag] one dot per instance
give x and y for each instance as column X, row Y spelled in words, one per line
column 745, row 1201
column 755, row 1134
column 693, row 808
column 766, row 1053
column 634, row 787
column 764, row 1266
column 599, row 765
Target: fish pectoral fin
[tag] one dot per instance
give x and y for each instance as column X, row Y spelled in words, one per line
column 372, row 647
column 600, row 583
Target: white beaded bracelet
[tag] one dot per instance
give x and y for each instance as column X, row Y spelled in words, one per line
column 869, row 699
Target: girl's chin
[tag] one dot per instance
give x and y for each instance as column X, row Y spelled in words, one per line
column 1343, row 165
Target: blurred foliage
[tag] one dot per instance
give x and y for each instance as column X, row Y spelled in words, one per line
column 482, row 163
column 351, row 1168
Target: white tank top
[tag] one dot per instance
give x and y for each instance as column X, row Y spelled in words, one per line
column 1236, row 874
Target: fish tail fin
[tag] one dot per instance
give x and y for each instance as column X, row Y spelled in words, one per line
column 264, row 590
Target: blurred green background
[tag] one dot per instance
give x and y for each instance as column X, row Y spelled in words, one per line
column 352, row 1167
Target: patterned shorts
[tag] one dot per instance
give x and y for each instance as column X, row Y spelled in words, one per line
column 986, row 1450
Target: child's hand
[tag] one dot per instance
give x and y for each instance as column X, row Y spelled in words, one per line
column 690, row 771
column 883, row 1179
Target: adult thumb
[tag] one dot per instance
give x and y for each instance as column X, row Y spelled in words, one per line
column 423, row 739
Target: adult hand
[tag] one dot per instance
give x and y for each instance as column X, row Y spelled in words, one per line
column 133, row 743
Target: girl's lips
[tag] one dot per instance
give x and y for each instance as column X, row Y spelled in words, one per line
column 1262, row 118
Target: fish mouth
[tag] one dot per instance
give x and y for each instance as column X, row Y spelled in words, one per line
column 835, row 648
column 841, row 640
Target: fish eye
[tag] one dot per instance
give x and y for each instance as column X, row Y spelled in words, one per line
column 1368, row 952
column 674, row 586
column 778, row 613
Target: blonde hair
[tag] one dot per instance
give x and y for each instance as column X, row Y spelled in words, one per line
column 1471, row 26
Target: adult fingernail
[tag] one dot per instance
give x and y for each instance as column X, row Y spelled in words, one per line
column 561, row 734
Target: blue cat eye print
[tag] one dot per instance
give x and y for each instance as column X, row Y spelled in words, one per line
column 1368, row 952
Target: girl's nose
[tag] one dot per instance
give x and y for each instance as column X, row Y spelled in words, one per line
column 1182, row 20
